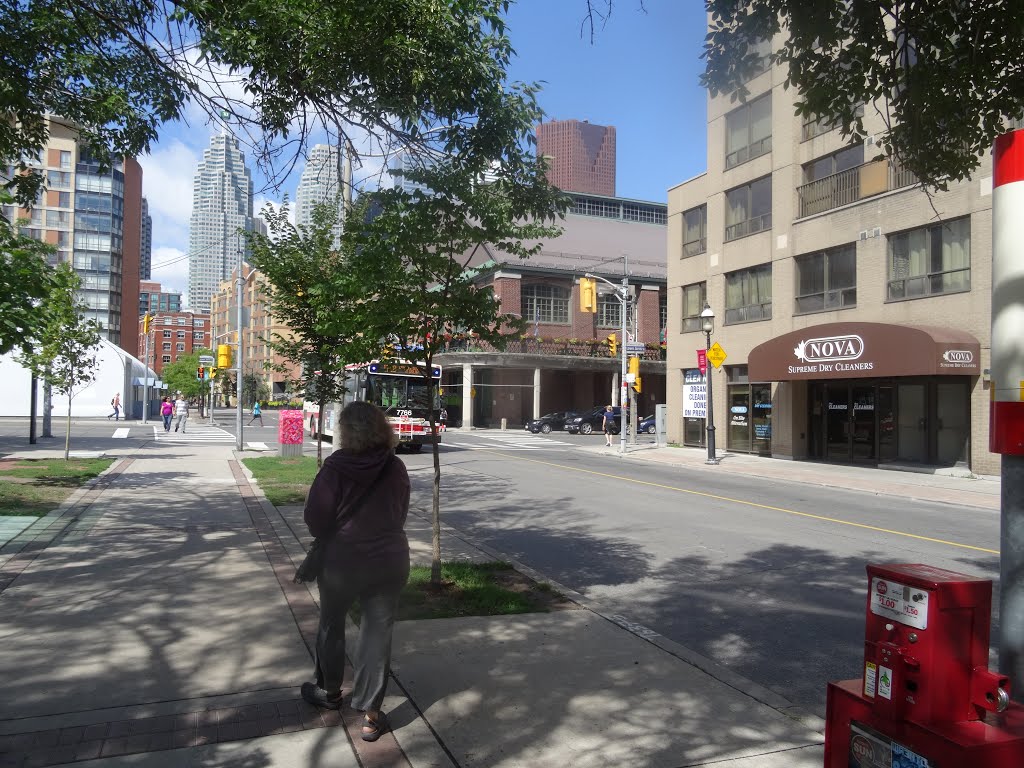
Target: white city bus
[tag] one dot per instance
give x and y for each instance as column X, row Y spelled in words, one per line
column 397, row 387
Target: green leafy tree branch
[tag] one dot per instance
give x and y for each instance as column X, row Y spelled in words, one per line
column 63, row 347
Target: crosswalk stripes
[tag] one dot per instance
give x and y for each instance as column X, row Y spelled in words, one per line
column 511, row 441
column 195, row 433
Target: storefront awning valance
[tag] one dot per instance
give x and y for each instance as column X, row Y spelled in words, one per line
column 865, row 350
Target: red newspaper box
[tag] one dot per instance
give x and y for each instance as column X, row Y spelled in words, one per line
column 927, row 698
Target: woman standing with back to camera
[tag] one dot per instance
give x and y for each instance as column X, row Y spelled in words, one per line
column 367, row 488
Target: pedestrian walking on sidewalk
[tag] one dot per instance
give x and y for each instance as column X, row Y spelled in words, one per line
column 607, row 422
column 256, row 414
column 363, row 489
column 116, row 404
column 180, row 413
column 166, row 412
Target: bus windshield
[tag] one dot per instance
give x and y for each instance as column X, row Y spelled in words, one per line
column 398, row 392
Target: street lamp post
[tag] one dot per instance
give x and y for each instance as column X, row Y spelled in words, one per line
column 622, row 293
column 707, row 324
column 239, row 286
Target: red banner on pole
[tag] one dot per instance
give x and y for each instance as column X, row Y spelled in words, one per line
column 702, row 361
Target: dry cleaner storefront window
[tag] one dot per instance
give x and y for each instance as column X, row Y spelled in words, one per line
column 749, row 413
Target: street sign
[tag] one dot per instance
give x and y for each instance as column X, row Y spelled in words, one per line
column 635, row 347
column 716, row 355
column 702, row 361
column 206, row 359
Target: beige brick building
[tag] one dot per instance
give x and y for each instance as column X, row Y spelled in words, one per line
column 258, row 329
column 853, row 307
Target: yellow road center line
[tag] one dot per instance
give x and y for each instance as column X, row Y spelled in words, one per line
column 717, row 497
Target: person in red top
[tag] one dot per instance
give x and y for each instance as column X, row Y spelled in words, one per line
column 367, row 559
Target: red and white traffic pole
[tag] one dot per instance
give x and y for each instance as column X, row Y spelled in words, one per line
column 1006, row 426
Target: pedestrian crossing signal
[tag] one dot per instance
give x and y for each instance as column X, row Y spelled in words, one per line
column 634, row 368
column 588, row 295
column 200, row 373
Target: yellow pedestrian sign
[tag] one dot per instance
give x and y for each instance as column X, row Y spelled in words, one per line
column 716, row 355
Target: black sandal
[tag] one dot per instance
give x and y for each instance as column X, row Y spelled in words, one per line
column 379, row 726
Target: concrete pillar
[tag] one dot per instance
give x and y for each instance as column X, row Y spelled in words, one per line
column 614, row 398
column 536, row 393
column 467, row 396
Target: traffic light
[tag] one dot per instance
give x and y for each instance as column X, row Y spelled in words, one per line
column 634, row 368
column 146, row 320
column 213, row 373
column 613, row 345
column 223, row 355
column 588, row 294
column 200, row 373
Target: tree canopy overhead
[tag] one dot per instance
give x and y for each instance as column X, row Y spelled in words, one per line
column 282, row 71
column 944, row 75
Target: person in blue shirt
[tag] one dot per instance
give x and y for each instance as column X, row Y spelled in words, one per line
column 607, row 424
column 257, row 413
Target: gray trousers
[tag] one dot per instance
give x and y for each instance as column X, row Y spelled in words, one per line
column 371, row 660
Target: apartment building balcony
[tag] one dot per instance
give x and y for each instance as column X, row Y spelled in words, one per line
column 852, row 185
column 556, row 347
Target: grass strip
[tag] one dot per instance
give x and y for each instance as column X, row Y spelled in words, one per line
column 283, row 480
column 470, row 589
column 34, row 487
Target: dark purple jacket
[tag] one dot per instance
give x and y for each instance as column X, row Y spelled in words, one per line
column 373, row 540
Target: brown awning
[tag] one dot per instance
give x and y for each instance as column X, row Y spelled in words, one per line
column 865, row 350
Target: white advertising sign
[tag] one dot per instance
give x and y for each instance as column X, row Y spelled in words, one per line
column 695, row 401
column 907, row 605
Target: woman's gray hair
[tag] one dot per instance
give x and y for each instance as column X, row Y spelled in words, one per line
column 365, row 428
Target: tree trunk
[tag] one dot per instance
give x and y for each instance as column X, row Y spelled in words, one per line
column 320, row 435
column 67, row 433
column 435, row 517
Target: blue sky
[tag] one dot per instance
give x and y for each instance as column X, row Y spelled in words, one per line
column 639, row 74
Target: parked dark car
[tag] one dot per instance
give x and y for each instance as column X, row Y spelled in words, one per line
column 550, row 421
column 648, row 425
column 590, row 421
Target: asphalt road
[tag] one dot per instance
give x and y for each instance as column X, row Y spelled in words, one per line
column 730, row 567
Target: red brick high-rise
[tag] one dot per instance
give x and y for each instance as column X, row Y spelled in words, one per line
column 581, row 155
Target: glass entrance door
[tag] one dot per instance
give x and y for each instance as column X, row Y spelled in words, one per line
column 837, row 422
column 863, row 422
column 912, row 423
column 952, row 422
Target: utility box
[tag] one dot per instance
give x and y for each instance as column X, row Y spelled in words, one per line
column 927, row 698
column 289, row 432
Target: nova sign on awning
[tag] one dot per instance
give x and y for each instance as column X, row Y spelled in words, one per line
column 831, row 353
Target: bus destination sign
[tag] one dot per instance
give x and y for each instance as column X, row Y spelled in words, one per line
column 402, row 369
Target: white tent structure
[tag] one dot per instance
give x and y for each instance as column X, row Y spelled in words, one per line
column 117, row 372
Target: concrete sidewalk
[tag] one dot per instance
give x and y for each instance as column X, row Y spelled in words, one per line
column 152, row 622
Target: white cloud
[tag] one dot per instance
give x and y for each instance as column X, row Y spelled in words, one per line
column 167, row 177
column 170, row 269
column 259, row 202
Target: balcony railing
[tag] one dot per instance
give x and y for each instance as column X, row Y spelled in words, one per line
column 748, row 227
column 531, row 345
column 749, row 313
column 749, row 152
column 693, row 247
column 851, row 185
